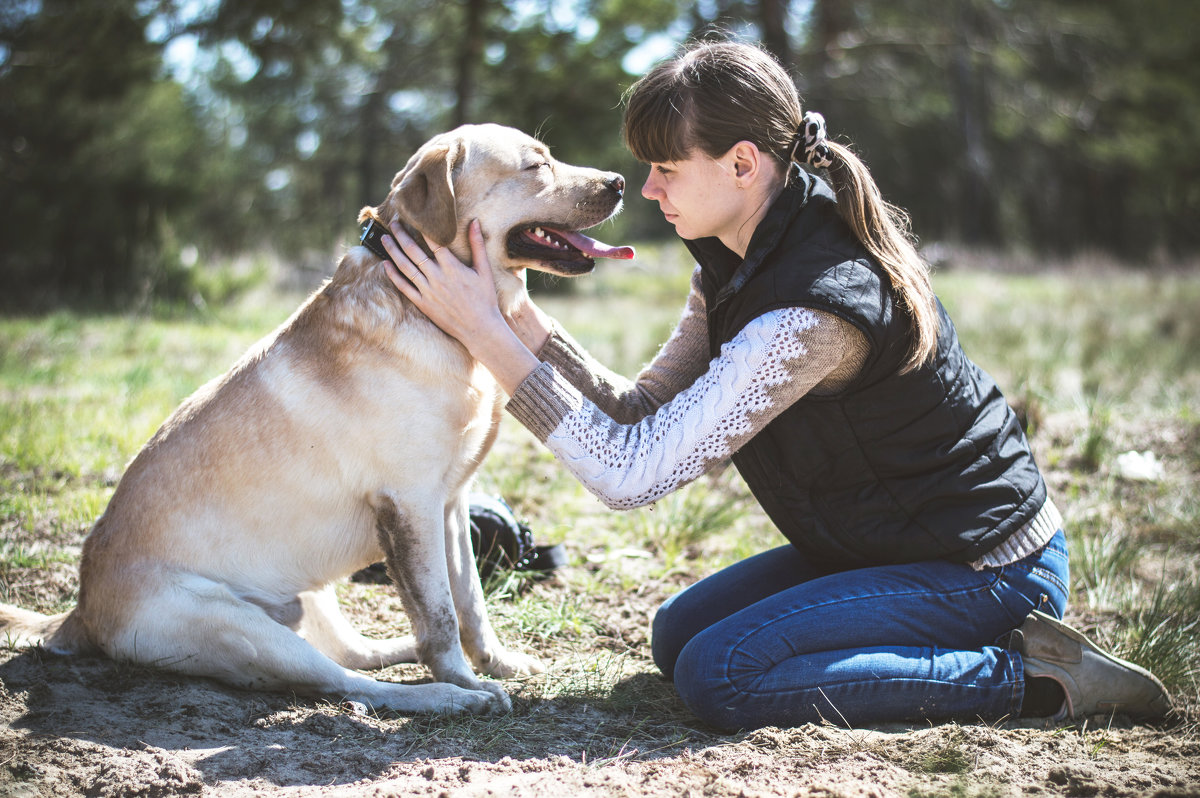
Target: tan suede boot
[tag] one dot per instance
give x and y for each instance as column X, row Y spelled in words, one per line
column 1095, row 682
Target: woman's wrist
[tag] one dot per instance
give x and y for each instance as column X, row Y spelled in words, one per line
column 504, row 354
column 531, row 325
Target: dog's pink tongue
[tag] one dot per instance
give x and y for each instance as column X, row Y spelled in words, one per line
column 593, row 248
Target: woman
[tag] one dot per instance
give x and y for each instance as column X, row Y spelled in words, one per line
column 812, row 351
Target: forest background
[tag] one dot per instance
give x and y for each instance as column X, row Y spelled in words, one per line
column 142, row 141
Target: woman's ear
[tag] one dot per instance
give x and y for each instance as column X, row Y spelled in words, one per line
column 746, row 162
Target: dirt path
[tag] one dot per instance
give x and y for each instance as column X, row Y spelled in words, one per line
column 91, row 727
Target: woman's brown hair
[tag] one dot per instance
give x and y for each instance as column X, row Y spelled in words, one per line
column 719, row 93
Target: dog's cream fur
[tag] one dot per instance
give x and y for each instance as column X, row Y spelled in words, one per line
column 348, row 435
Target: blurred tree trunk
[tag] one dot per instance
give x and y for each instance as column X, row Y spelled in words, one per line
column 972, row 97
column 373, row 135
column 470, row 54
column 831, row 19
column 773, row 18
column 371, row 131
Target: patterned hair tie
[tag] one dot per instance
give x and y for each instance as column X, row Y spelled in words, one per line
column 816, row 148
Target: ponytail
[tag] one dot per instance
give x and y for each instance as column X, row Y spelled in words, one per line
column 884, row 230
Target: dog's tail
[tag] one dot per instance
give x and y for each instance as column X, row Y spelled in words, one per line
column 60, row 634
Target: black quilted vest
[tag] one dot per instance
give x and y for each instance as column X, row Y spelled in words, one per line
column 931, row 464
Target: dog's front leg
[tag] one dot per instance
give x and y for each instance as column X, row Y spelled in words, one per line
column 414, row 546
column 478, row 637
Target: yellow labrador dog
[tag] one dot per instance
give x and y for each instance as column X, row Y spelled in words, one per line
column 347, row 436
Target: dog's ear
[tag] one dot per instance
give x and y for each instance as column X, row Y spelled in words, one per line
column 424, row 193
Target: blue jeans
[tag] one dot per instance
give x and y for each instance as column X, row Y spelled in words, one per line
column 771, row 641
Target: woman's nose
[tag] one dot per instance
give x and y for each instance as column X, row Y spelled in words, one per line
column 650, row 188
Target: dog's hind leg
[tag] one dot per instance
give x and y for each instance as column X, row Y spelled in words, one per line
column 323, row 625
column 414, row 545
column 475, row 630
column 195, row 626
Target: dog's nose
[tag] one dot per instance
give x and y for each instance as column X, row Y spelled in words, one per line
column 617, row 184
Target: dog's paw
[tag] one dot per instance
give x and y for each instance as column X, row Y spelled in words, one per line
column 513, row 663
column 491, row 698
column 438, row 698
column 502, row 703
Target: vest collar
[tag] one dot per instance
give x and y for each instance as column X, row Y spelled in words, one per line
column 723, row 265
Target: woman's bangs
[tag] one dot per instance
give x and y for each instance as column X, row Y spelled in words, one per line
column 656, row 128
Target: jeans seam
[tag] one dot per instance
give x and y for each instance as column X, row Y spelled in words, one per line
column 888, row 680
column 1049, row 576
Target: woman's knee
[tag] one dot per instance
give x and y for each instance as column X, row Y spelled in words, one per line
column 713, row 599
column 701, row 688
column 667, row 637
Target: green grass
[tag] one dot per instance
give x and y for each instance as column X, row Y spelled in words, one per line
column 1098, row 362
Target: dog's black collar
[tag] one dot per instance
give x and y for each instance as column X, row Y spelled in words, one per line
column 372, row 232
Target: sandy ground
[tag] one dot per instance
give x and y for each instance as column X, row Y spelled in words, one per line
column 599, row 722
column 87, row 726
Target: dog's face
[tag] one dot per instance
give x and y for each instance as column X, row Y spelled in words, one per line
column 531, row 206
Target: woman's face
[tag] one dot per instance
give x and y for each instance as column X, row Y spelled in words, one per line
column 698, row 195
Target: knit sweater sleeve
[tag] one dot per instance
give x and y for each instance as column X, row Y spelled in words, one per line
column 679, row 362
column 776, row 359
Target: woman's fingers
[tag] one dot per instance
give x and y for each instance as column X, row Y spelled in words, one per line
column 443, row 257
column 439, row 277
column 405, row 242
column 404, row 284
column 478, row 252
column 479, row 256
column 408, row 256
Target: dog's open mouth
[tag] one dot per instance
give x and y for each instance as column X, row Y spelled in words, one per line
column 566, row 252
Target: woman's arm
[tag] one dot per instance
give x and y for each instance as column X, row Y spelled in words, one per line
column 678, row 363
column 773, row 362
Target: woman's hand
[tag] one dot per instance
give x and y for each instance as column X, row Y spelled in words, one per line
column 461, row 300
